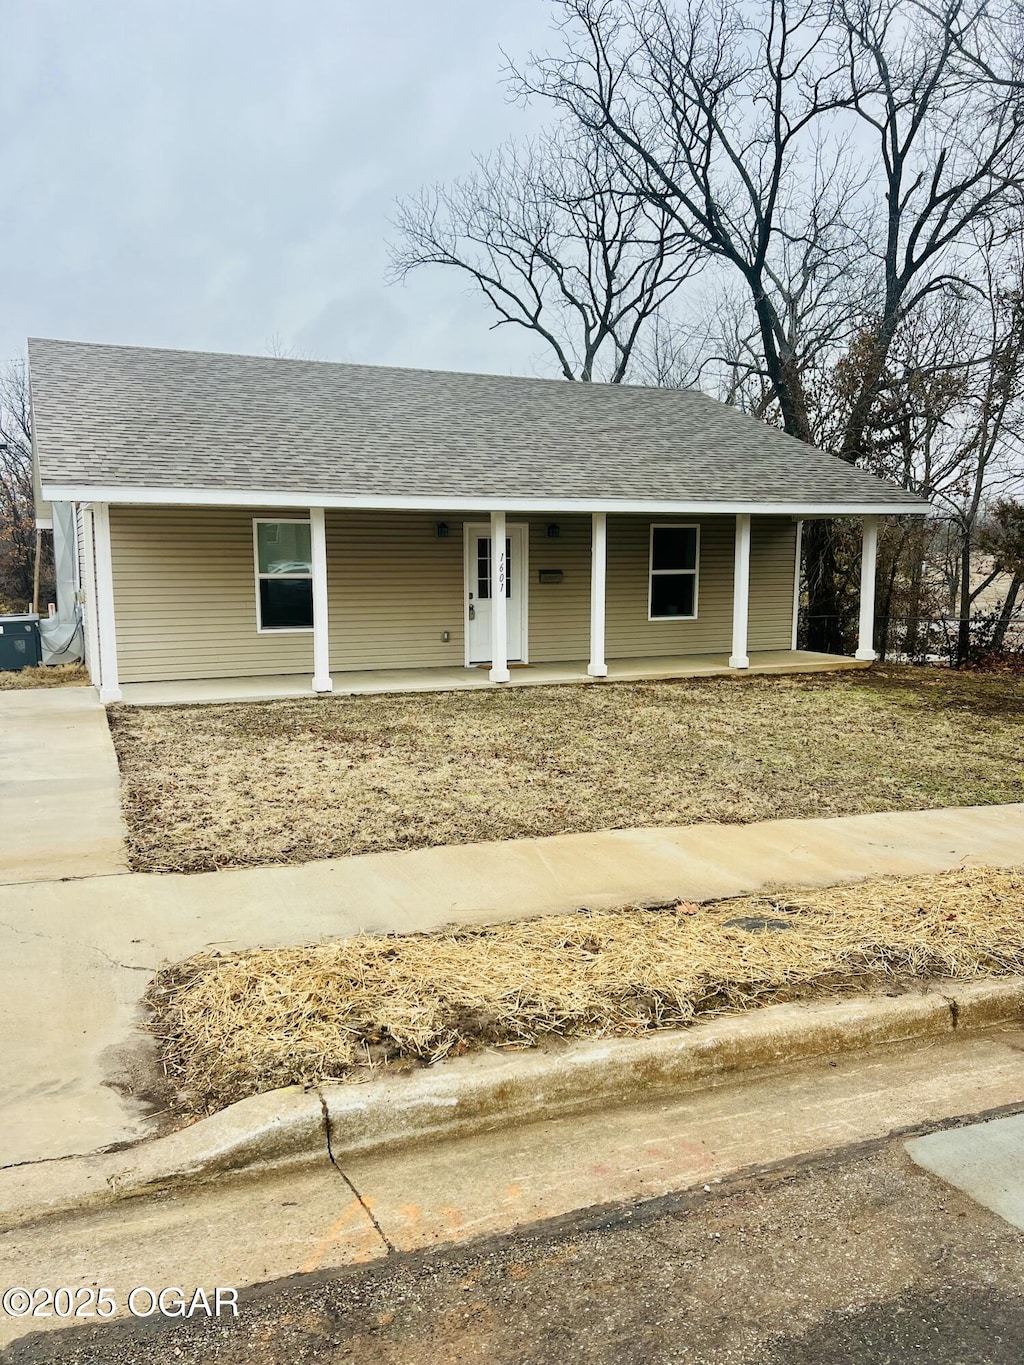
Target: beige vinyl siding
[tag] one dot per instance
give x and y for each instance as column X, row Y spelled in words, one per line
column 630, row 635
column 560, row 612
column 79, row 545
column 772, row 565
column 394, row 586
column 185, row 595
column 87, row 589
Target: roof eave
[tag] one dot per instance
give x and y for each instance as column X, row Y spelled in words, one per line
column 255, row 497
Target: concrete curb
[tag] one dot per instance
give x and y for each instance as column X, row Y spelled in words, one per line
column 266, row 1131
column 475, row 1094
column 479, row 1093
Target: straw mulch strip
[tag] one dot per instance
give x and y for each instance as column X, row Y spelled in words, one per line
column 232, row 1026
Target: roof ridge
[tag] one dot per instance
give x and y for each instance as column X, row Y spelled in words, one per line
column 555, row 380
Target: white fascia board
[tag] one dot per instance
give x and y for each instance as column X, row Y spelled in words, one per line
column 254, row 497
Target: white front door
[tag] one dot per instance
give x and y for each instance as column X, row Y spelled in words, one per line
column 478, row 592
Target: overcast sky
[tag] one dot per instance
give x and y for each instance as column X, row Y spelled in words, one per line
column 216, row 174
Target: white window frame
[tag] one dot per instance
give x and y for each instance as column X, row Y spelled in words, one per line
column 308, row 577
column 652, row 572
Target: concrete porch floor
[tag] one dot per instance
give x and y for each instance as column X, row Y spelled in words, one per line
column 206, row 690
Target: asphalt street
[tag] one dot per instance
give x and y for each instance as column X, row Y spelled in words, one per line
column 859, row 1257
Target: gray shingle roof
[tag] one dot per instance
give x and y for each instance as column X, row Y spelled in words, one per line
column 130, row 417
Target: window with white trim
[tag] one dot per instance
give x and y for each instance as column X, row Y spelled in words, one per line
column 284, row 574
column 675, row 550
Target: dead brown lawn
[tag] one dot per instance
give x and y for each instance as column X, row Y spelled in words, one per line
column 55, row 675
column 282, row 782
column 235, row 1025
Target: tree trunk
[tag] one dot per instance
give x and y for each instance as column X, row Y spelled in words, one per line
column 824, row 626
column 963, row 634
column 913, row 634
column 1006, row 613
column 882, row 623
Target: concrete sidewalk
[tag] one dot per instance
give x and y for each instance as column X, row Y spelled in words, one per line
column 75, row 957
column 60, row 791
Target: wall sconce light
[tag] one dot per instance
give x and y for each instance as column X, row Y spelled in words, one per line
column 554, row 530
column 442, row 530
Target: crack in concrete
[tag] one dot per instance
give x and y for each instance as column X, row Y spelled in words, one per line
column 954, row 1009
column 43, row 1160
column 333, row 1160
column 58, row 881
column 75, row 943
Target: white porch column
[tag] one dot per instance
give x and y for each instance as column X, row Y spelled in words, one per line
column 597, row 668
column 499, row 608
column 740, row 592
column 796, row 580
column 110, row 687
column 322, row 681
column 868, row 560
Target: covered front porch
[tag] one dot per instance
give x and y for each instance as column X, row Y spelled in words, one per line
column 392, row 600
column 204, row 691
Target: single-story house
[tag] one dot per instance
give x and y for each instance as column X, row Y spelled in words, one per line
column 243, row 517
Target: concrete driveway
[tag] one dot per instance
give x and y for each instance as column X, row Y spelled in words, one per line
column 60, row 799
column 76, row 956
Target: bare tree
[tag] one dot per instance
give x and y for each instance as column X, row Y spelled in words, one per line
column 949, row 153
column 988, row 454
column 803, row 147
column 280, row 349
column 22, row 555
column 846, row 173
column 947, row 422
column 713, row 114
column 558, row 244
column 739, row 122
